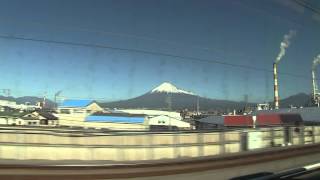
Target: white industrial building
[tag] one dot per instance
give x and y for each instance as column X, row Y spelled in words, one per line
column 79, row 107
column 14, row 105
column 152, row 113
column 168, row 121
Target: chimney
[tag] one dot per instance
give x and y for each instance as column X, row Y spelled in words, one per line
column 276, row 87
column 314, row 88
column 313, row 85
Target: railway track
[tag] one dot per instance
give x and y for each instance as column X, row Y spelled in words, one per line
column 151, row 168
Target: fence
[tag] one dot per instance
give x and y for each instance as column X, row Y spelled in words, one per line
column 26, row 144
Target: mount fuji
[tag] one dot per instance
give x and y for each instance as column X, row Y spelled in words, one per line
column 167, row 87
column 167, row 96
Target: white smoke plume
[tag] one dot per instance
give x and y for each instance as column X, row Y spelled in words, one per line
column 316, row 61
column 285, row 44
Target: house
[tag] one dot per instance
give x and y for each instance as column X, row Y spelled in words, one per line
column 11, row 117
column 40, row 118
column 21, row 118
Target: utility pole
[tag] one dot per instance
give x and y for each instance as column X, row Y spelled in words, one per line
column 44, row 100
column 56, row 95
column 169, row 101
column 198, row 106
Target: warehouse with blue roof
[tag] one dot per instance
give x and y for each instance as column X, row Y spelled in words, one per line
column 71, row 106
column 76, row 103
column 88, row 114
column 116, row 118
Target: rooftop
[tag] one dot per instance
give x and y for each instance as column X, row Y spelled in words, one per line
column 76, row 103
column 116, row 118
column 118, row 114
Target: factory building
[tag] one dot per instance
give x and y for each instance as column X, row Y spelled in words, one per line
column 209, row 122
column 6, row 103
column 126, row 121
column 88, row 114
column 152, row 113
column 73, row 112
column 117, row 121
column 13, row 105
column 79, row 107
column 164, row 122
column 251, row 121
column 116, row 118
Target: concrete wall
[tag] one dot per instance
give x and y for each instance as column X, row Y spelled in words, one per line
column 30, row 144
column 115, row 147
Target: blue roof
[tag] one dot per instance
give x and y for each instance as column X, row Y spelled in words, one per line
column 76, row 103
column 115, row 119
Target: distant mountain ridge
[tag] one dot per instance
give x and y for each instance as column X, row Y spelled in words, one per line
column 297, row 100
column 30, row 99
column 167, row 96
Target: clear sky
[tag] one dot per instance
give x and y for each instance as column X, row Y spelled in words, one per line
column 246, row 32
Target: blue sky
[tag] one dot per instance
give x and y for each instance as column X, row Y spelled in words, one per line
column 238, row 32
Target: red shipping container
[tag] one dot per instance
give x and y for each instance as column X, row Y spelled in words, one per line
column 238, row 120
column 268, row 119
column 278, row 119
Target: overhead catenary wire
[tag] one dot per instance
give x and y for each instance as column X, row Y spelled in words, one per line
column 195, row 59
column 185, row 58
column 307, row 5
column 104, row 32
column 302, row 3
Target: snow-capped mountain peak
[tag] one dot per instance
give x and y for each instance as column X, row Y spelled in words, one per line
column 167, row 87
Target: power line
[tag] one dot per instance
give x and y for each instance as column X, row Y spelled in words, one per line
column 126, row 35
column 185, row 58
column 307, row 5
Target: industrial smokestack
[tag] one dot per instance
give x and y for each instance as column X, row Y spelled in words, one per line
column 283, row 46
column 276, row 87
column 315, row 62
column 314, row 87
